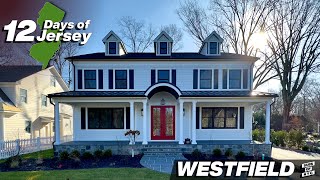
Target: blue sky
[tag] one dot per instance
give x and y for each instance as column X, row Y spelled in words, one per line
column 104, row 16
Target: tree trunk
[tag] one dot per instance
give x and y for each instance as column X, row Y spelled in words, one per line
column 286, row 113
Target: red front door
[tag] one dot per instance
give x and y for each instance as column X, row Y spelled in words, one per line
column 162, row 123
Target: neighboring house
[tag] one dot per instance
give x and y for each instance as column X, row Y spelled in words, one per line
column 25, row 110
column 205, row 96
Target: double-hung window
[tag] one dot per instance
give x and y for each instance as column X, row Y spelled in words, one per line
column 235, row 79
column 164, row 76
column 112, row 48
column 90, row 79
column 213, row 48
column 53, row 81
column 23, row 95
column 205, row 79
column 121, row 79
column 163, row 48
column 44, row 100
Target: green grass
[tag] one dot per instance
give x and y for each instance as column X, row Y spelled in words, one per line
column 99, row 173
column 46, row 154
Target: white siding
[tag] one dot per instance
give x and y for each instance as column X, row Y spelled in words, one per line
column 36, row 85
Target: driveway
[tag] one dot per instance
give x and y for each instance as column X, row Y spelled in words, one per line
column 284, row 154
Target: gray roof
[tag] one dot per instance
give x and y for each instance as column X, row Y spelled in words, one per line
column 16, row 73
column 5, row 98
column 141, row 94
column 174, row 55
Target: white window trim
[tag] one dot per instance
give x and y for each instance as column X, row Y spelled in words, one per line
column 209, row 44
column 42, row 95
column 83, row 80
column 212, row 78
column 208, row 106
column 117, row 48
column 158, row 48
column 26, row 97
column 114, row 78
column 87, row 118
column 53, row 81
column 164, row 69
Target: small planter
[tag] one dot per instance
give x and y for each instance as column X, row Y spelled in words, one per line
column 187, row 141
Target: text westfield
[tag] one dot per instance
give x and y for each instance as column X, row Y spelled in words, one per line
column 234, row 168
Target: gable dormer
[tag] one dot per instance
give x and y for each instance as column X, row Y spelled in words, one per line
column 163, row 44
column 211, row 46
column 113, row 45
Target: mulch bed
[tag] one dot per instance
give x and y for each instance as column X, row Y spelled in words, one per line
column 204, row 157
column 116, row 161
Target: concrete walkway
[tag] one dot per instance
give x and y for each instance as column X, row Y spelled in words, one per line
column 284, row 154
column 160, row 162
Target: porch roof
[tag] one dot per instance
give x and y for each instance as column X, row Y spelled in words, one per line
column 142, row 94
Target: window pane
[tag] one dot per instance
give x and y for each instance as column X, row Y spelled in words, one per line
column 112, row 48
column 235, row 79
column 216, row 79
column 231, row 119
column 105, row 118
column 163, row 48
column 225, row 79
column 121, row 79
column 163, row 76
column 23, row 95
column 219, row 122
column 90, row 79
column 213, row 47
column 205, row 79
column 245, row 78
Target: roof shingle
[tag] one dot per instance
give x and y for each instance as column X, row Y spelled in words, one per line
column 16, row 73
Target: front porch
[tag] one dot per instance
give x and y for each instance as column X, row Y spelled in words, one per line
column 205, row 146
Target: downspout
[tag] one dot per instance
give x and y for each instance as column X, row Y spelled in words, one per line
column 74, row 75
column 54, row 123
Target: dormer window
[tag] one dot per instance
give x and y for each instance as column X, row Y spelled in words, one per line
column 163, row 48
column 213, row 48
column 112, row 48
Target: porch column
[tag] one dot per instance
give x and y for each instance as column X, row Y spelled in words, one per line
column 194, row 122
column 181, row 122
column 267, row 135
column 57, row 123
column 145, row 123
column 132, row 115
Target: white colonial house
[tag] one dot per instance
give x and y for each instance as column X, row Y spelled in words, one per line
column 169, row 97
column 25, row 110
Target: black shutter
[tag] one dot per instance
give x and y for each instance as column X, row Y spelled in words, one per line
column 197, row 117
column 128, row 117
column 131, row 79
column 83, row 118
column 80, row 79
column 110, row 79
column 100, row 74
column 153, row 76
column 174, row 76
column 241, row 117
column 195, row 79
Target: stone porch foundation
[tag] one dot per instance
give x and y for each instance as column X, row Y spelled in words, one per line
column 123, row 147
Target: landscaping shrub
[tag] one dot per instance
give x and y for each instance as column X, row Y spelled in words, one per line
column 217, row 152
column 196, row 154
column 258, row 135
column 107, row 153
column 305, row 148
column 278, row 137
column 299, row 137
column 228, row 153
column 75, row 154
column 241, row 154
column 13, row 162
column 294, row 139
column 64, row 155
column 87, row 155
column 98, row 154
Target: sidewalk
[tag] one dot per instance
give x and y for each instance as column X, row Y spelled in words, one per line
column 284, row 154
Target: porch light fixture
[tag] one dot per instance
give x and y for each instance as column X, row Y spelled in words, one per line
column 141, row 112
column 163, row 102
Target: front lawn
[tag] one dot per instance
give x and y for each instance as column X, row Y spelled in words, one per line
column 98, row 173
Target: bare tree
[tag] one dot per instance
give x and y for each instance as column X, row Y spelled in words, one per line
column 136, row 34
column 195, row 20
column 237, row 22
column 62, row 65
column 294, row 39
column 176, row 34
